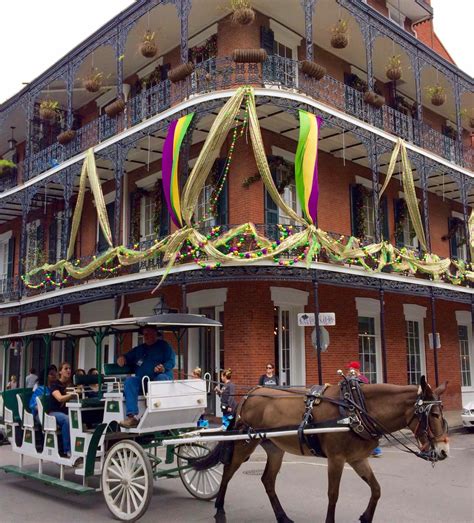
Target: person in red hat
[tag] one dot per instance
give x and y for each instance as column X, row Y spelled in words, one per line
column 355, row 367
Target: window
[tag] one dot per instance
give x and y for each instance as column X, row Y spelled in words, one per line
column 413, row 352
column 204, row 216
column 34, row 244
column 147, row 217
column 370, row 351
column 404, row 231
column 367, row 348
column 415, row 344
column 283, row 173
column 286, row 66
column 396, row 16
column 463, row 334
column 3, row 265
column 457, row 237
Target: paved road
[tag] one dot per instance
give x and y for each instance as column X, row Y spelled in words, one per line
column 412, row 491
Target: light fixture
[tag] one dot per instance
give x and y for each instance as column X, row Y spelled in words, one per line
column 12, row 142
column 161, row 307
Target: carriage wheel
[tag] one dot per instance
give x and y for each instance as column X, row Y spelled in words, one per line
column 202, row 484
column 127, row 481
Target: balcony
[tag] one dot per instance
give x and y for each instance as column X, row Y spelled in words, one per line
column 273, row 232
column 279, row 73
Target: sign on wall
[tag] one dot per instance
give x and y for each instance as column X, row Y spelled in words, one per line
column 326, row 319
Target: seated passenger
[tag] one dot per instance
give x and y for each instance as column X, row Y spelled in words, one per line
column 94, row 388
column 42, row 390
column 154, row 358
column 58, row 401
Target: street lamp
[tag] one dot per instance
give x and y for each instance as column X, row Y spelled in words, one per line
column 12, row 142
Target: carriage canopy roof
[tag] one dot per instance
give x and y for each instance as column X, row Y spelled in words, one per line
column 167, row 322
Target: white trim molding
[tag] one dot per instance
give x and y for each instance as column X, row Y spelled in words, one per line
column 367, row 306
column 206, row 298
column 414, row 312
column 288, row 296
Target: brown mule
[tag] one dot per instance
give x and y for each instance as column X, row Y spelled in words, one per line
column 394, row 407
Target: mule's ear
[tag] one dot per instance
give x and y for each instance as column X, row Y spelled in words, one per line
column 441, row 389
column 423, row 383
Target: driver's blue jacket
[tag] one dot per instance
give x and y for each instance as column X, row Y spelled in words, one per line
column 144, row 358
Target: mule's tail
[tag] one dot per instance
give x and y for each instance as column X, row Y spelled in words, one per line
column 221, row 453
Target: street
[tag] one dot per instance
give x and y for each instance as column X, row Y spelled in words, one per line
column 412, row 491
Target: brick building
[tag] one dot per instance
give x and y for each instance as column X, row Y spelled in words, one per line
column 383, row 318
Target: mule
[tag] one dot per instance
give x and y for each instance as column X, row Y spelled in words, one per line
column 393, row 407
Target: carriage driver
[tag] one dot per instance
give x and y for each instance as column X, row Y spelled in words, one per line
column 154, row 358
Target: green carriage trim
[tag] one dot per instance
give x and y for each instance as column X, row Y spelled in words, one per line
column 79, row 445
column 50, row 441
column 113, row 406
column 74, row 419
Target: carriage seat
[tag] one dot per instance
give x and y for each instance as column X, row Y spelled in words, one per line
column 10, row 409
column 47, row 422
column 112, row 369
column 26, row 416
column 87, row 381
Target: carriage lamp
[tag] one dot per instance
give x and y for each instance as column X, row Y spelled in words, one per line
column 12, row 142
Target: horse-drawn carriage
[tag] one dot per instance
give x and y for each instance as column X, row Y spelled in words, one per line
column 125, row 461
column 336, row 422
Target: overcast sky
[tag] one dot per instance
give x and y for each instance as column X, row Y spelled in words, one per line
column 35, row 34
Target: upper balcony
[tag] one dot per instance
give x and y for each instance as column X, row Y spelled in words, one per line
column 206, row 37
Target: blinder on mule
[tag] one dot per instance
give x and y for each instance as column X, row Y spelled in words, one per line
column 423, row 430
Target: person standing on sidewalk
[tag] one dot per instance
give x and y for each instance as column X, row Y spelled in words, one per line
column 354, row 367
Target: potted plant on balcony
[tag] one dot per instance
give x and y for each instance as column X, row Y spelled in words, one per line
column 93, row 81
column 66, row 136
column 148, row 47
column 393, row 69
column 313, row 70
column 251, row 56
column 242, row 12
column 356, row 83
column 7, row 167
column 180, row 72
column 339, row 39
column 374, row 98
column 437, row 93
column 48, row 110
column 115, row 108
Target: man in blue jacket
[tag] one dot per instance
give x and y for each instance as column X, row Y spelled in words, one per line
column 154, row 358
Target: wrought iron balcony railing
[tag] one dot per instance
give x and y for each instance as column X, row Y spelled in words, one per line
column 276, row 72
column 246, row 241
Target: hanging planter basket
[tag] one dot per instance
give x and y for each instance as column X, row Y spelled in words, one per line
column 313, row 69
column 179, row 73
column 339, row 41
column 92, row 84
column 243, row 15
column 115, row 108
column 374, row 99
column 394, row 73
column 148, row 47
column 438, row 99
column 48, row 110
column 66, row 136
column 251, row 56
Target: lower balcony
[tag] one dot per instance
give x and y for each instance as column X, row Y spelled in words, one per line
column 248, row 243
column 218, row 74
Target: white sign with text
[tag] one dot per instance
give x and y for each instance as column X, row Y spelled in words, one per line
column 307, row 319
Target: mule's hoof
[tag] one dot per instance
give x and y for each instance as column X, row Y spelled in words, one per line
column 220, row 516
column 364, row 519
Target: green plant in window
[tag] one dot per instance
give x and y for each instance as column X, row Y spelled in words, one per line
column 6, row 167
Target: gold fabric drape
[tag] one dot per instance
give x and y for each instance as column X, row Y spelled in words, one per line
column 408, row 189
column 89, row 171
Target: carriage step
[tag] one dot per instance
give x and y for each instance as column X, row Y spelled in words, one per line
column 52, row 481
